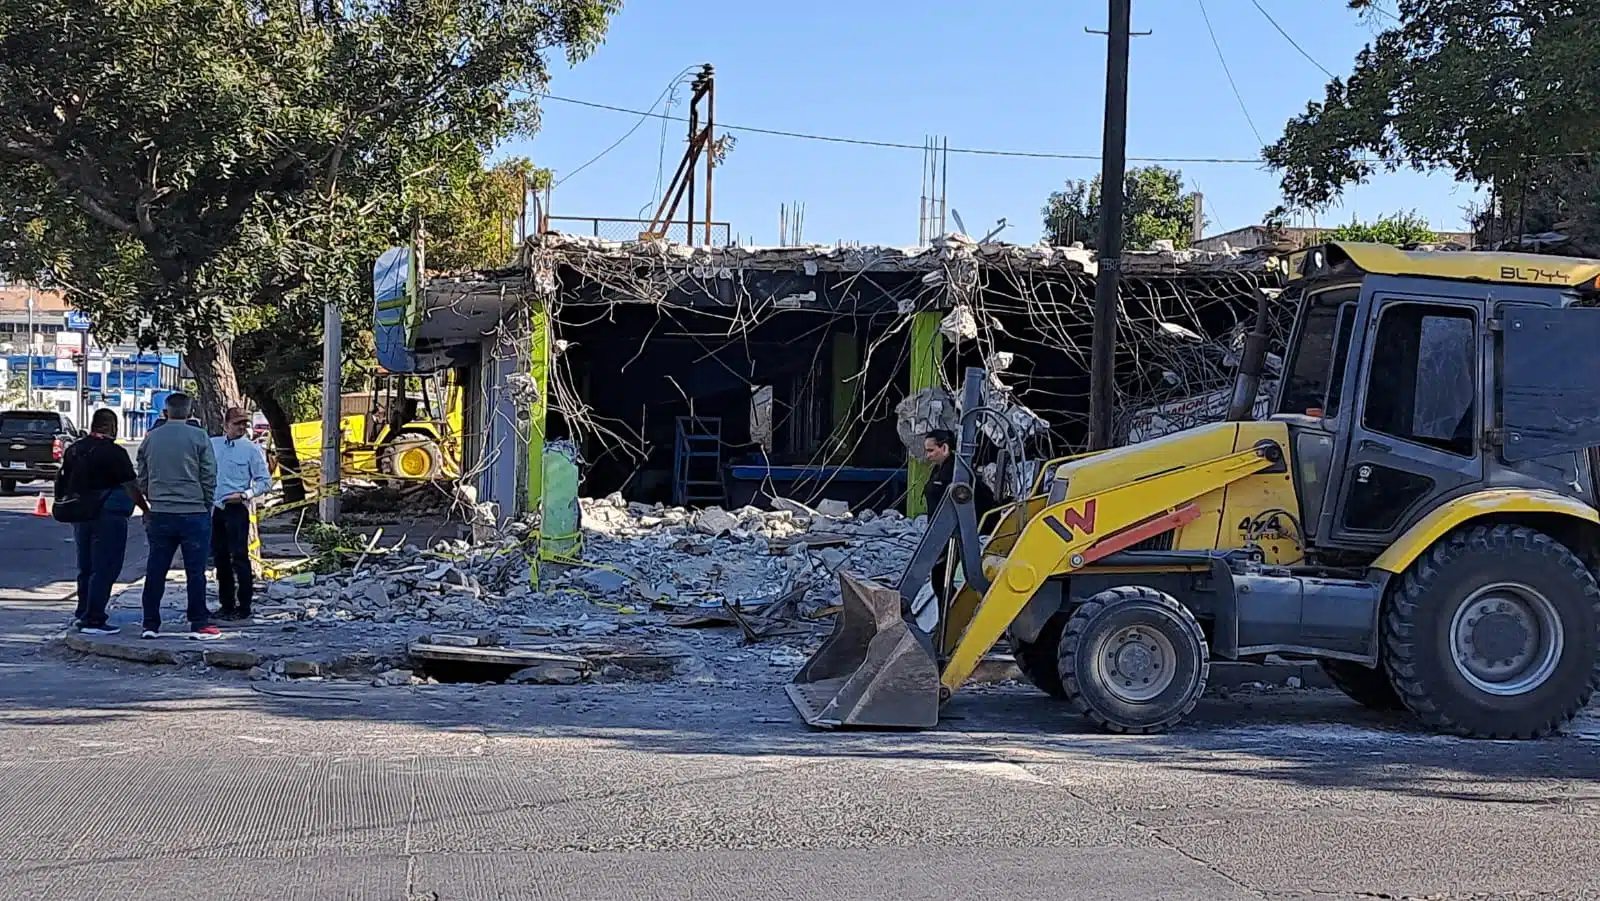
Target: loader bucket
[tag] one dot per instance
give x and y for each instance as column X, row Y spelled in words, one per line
column 874, row 670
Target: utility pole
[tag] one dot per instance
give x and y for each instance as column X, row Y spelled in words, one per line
column 1102, row 360
column 28, row 403
column 332, row 338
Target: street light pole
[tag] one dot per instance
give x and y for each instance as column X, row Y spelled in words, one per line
column 1108, row 251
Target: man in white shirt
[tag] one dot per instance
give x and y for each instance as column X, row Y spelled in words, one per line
column 241, row 478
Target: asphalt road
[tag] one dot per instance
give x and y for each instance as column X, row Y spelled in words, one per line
column 37, row 551
column 128, row 782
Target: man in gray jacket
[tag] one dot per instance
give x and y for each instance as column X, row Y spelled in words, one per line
column 178, row 475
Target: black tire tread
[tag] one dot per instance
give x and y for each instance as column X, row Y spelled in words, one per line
column 1368, row 686
column 1036, row 660
column 1400, row 627
column 1071, row 641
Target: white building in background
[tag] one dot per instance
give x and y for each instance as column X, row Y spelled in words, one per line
column 40, row 334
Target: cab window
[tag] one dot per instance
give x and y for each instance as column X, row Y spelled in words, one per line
column 1315, row 376
column 1423, row 386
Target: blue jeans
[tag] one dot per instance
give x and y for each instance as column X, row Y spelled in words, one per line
column 102, row 542
column 166, row 533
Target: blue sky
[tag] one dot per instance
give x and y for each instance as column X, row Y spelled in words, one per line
column 1007, row 74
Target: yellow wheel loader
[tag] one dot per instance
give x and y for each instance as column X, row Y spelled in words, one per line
column 1418, row 515
column 406, row 428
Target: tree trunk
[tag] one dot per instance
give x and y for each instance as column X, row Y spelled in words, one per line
column 294, row 490
column 217, row 387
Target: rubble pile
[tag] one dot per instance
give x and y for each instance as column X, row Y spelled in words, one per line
column 360, row 502
column 640, row 566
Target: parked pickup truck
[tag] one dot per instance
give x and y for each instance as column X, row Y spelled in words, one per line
column 31, row 445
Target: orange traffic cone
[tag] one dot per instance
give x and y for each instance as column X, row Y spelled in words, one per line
column 42, row 508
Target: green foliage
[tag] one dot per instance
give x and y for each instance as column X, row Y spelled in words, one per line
column 1401, row 229
column 331, row 544
column 472, row 219
column 196, row 168
column 1155, row 208
column 1499, row 92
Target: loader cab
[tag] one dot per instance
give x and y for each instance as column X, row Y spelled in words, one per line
column 1413, row 378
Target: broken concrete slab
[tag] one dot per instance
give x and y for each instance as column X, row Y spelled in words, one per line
column 715, row 521
column 833, row 508
column 546, row 674
column 226, row 658
column 134, row 649
column 300, row 668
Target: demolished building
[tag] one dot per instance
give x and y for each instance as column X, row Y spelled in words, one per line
column 731, row 376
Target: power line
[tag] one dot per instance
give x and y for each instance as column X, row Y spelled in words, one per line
column 894, row 145
column 1020, row 154
column 643, row 117
column 1225, row 71
column 1292, row 42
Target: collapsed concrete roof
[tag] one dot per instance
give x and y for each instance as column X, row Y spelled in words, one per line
column 557, row 247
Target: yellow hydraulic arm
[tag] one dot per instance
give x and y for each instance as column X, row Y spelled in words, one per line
column 1069, row 535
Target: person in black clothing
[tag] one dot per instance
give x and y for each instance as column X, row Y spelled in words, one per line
column 939, row 445
column 98, row 465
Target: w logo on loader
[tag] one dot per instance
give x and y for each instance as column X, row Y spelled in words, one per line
column 1071, row 519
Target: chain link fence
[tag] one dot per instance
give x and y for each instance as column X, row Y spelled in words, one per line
column 629, row 229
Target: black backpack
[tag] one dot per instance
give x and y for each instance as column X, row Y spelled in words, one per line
column 75, row 502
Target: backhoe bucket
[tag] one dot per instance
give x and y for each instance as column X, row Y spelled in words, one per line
column 874, row 670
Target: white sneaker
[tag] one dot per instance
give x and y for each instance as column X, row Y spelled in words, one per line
column 149, row 633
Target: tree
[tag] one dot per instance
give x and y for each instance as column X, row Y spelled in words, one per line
column 293, row 261
column 1155, row 208
column 1401, row 229
column 1499, row 92
column 140, row 141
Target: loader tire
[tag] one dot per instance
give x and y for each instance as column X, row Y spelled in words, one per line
column 412, row 456
column 1494, row 632
column 1366, row 685
column 1036, row 659
column 1133, row 659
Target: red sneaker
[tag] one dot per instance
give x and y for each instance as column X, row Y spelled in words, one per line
column 207, row 633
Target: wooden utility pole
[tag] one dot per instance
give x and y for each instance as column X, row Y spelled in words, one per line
column 1108, row 252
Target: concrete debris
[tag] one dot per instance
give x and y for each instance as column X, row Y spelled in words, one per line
column 640, row 565
column 833, row 508
column 920, row 413
column 546, row 674
column 959, row 325
column 395, row 677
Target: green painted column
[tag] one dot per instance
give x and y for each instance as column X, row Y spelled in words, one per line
column 845, row 365
column 927, row 353
column 539, row 370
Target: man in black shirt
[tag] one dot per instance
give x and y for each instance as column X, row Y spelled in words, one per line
column 98, row 467
column 939, row 445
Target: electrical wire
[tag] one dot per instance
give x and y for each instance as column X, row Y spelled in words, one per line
column 1022, row 154
column 1226, row 71
column 1292, row 42
column 864, row 142
column 643, row 117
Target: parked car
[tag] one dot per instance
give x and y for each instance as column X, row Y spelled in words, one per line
column 31, row 445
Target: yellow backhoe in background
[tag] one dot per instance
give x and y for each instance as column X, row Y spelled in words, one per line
column 1418, row 515
column 404, row 428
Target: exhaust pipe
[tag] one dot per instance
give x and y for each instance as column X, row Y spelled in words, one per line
column 1254, row 360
